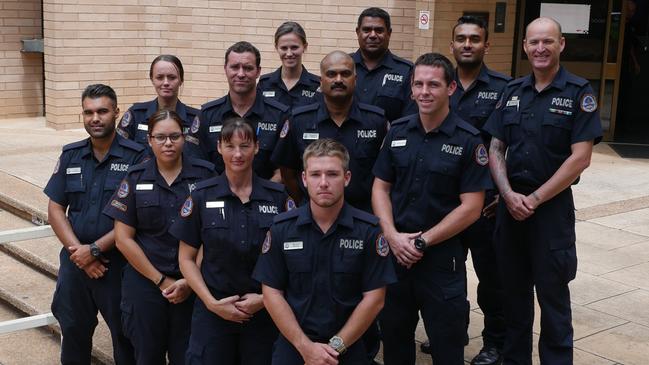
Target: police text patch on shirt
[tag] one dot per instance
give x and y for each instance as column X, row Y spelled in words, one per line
column 265, row 247
column 120, row 167
column 352, row 244
column 215, row 204
column 488, row 95
column 266, row 126
column 399, row 143
column 215, row 128
column 119, row 205
column 308, row 93
column 144, row 187
column 366, row 133
column 293, row 245
column 392, row 77
column 73, row 170
column 186, row 209
column 268, row 209
column 452, row 149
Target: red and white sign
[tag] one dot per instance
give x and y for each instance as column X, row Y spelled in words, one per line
column 424, row 19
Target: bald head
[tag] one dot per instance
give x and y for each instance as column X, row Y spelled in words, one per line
column 336, row 57
column 544, row 22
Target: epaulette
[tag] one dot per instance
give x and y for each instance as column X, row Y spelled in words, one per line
column 576, row 80
column 498, row 75
column 305, row 108
column 314, row 78
column 467, row 126
column 516, row 81
column 401, row 120
column 143, row 105
column 402, row 60
column 265, row 76
column 371, row 108
column 212, row 181
column 140, row 166
column 202, row 163
column 213, row 103
column 364, row 216
column 129, row 144
column 272, row 185
column 75, row 145
column 192, row 111
column 276, row 104
column 281, row 217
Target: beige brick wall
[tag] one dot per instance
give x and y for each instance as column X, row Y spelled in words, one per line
column 21, row 74
column 89, row 41
column 113, row 42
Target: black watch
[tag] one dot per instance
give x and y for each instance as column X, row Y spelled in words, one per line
column 94, row 250
column 420, row 244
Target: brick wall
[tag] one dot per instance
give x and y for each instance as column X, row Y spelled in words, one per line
column 21, row 74
column 88, row 41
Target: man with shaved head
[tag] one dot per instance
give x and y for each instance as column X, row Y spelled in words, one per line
column 338, row 115
column 543, row 131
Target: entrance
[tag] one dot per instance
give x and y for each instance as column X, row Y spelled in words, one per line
column 597, row 49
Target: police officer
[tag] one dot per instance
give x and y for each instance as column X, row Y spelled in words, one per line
column 359, row 127
column 86, row 175
column 167, row 76
column 430, row 179
column 242, row 68
column 383, row 78
column 156, row 301
column 229, row 216
column 291, row 84
column 546, row 123
column 324, row 268
column 478, row 90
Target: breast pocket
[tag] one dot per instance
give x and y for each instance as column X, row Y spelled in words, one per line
column 347, row 278
column 150, row 216
column 480, row 114
column 512, row 127
column 267, row 140
column 300, row 269
column 215, row 235
column 74, row 183
column 444, row 177
column 556, row 131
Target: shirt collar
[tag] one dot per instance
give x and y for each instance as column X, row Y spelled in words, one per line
column 387, row 60
column 345, row 217
column 258, row 192
column 559, row 81
column 483, row 77
column 447, row 127
column 257, row 108
column 323, row 114
column 115, row 149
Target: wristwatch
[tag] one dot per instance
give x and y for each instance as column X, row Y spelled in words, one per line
column 420, row 244
column 337, row 344
column 94, row 250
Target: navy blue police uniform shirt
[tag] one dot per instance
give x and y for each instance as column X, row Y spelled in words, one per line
column 305, row 91
column 147, row 203
column 134, row 124
column 230, row 231
column 362, row 134
column 540, row 127
column 476, row 104
column 386, row 86
column 323, row 276
column 85, row 185
column 266, row 116
column 429, row 171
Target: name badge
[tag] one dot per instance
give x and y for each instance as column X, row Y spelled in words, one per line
column 215, row 204
column 269, row 94
column 399, row 143
column 73, row 170
column 215, row 128
column 311, row 136
column 295, row 245
column 143, row 127
column 144, row 187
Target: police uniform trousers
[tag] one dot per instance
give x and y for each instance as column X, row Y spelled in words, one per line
column 154, row 326
column 538, row 253
column 217, row 341
column 436, row 287
column 77, row 299
column 479, row 239
column 285, row 354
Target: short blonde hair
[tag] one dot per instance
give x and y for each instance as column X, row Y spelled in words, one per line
column 327, row 147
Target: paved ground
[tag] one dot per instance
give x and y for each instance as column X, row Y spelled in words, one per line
column 610, row 294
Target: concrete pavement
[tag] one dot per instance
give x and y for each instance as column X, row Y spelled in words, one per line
column 610, row 294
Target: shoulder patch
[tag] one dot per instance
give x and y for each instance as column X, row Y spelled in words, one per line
column 499, row 104
column 123, row 189
column 371, row 108
column 481, row 155
column 285, row 129
column 588, row 103
column 276, row 104
column 265, row 247
column 118, row 205
column 290, row 204
column 58, row 165
column 126, row 119
column 382, row 246
column 75, row 145
column 196, row 124
column 187, row 208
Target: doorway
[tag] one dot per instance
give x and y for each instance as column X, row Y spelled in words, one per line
column 598, row 50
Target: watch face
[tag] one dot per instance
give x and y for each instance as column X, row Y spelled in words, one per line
column 420, row 244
